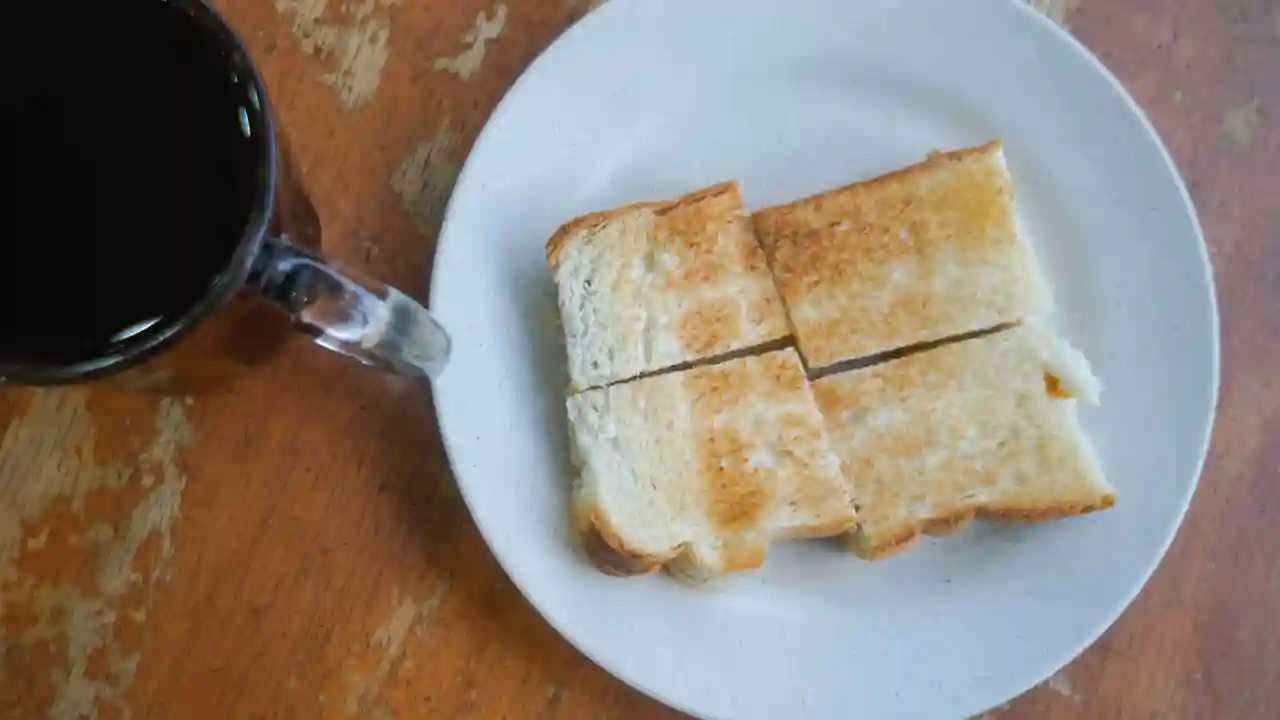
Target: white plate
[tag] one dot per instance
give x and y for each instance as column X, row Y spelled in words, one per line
column 651, row 98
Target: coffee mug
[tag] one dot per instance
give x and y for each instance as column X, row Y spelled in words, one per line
column 159, row 212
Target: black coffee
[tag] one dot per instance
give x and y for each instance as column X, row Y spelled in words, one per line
column 133, row 170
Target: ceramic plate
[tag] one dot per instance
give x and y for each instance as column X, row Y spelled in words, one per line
column 651, row 98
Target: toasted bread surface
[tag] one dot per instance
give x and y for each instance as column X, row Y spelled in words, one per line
column 652, row 285
column 914, row 256
column 700, row 469
column 969, row 430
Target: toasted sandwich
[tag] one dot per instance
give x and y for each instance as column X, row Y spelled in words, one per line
column 983, row 428
column 653, row 286
column 925, row 253
column 698, row 470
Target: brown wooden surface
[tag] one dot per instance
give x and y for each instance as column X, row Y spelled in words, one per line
column 292, row 544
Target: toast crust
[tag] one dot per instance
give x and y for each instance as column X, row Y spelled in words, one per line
column 881, row 547
column 833, row 528
column 607, row 550
column 581, row 226
column 829, row 207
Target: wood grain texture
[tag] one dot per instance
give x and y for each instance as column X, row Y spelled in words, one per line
column 292, row 544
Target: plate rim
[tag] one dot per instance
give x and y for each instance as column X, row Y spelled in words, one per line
column 1030, row 14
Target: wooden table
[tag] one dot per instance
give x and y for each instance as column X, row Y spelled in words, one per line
column 293, row 545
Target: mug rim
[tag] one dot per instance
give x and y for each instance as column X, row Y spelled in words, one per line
column 233, row 276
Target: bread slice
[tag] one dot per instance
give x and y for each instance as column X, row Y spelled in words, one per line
column 925, row 253
column 980, row 428
column 655, row 285
column 700, row 469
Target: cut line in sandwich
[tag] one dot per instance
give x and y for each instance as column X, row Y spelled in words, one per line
column 750, row 351
column 898, row 353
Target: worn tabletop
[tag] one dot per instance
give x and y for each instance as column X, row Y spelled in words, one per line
column 292, row 544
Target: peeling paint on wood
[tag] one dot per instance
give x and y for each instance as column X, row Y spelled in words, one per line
column 46, row 455
column 425, row 178
column 50, row 473
column 389, row 644
column 1240, row 123
column 358, row 43
column 1059, row 11
column 1061, row 684
column 487, row 29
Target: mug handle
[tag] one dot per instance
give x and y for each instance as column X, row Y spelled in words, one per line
column 356, row 316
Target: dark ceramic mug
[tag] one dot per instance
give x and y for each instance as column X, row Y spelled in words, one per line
column 176, row 257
